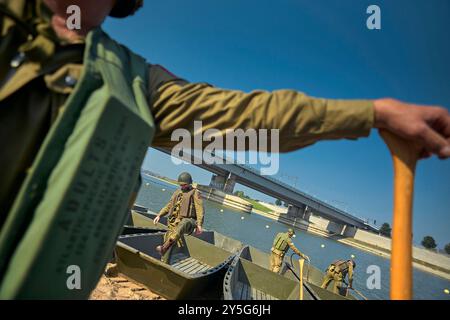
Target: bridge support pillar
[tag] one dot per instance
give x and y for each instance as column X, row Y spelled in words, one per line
column 217, row 182
column 224, row 183
column 295, row 212
column 306, row 214
column 229, row 184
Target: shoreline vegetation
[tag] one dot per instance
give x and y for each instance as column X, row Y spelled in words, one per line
column 262, row 210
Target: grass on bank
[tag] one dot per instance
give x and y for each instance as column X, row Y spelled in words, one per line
column 258, row 206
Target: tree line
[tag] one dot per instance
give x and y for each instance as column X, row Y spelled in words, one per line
column 427, row 242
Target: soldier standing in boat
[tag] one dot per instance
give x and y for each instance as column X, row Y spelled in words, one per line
column 281, row 245
column 186, row 214
column 337, row 271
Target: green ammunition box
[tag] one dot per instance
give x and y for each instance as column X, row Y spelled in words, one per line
column 71, row 208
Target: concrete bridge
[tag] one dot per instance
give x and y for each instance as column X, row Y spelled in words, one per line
column 301, row 205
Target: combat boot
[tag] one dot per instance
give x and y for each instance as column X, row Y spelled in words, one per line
column 166, row 246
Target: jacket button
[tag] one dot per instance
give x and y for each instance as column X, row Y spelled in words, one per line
column 70, row 81
column 17, row 60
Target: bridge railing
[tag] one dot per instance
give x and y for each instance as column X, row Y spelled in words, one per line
column 287, row 186
column 228, row 161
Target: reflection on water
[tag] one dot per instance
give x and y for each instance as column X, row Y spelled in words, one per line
column 252, row 230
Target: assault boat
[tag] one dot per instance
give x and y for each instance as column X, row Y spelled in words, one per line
column 249, row 278
column 195, row 269
column 253, row 259
column 245, row 280
column 142, row 217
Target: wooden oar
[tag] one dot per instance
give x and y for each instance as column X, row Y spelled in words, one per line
column 405, row 155
column 301, row 263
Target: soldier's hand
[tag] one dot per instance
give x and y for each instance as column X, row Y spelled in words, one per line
column 428, row 126
column 156, row 220
column 198, row 230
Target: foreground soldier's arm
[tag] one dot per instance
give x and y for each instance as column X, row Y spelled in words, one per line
column 302, row 120
column 350, row 276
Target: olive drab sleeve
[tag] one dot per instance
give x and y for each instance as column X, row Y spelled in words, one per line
column 302, row 120
column 294, row 248
column 350, row 275
column 199, row 210
column 164, row 211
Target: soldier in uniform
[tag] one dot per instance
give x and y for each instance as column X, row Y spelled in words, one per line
column 44, row 75
column 281, row 245
column 337, row 271
column 185, row 210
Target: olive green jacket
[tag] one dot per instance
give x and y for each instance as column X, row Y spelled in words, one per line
column 33, row 90
column 196, row 206
column 282, row 243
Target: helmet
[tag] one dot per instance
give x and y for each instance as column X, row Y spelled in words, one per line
column 353, row 262
column 125, row 8
column 185, row 178
column 290, row 230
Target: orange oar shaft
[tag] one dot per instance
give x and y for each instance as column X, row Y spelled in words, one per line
column 405, row 157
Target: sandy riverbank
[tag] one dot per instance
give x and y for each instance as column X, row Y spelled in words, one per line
column 113, row 286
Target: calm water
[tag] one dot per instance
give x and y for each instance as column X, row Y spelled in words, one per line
column 253, row 230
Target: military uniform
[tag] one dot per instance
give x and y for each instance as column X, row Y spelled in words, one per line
column 281, row 245
column 40, row 73
column 185, row 210
column 33, row 97
column 337, row 271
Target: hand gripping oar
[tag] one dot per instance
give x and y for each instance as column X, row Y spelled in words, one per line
column 405, row 155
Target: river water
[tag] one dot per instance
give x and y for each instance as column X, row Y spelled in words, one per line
column 259, row 232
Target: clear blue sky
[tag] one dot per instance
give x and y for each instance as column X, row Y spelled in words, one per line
column 322, row 48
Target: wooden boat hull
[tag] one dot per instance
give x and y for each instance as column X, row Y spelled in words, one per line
column 199, row 273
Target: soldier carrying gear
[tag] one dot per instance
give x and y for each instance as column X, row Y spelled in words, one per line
column 281, row 245
column 337, row 271
column 186, row 213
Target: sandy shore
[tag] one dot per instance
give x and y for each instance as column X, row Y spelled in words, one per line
column 113, row 286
